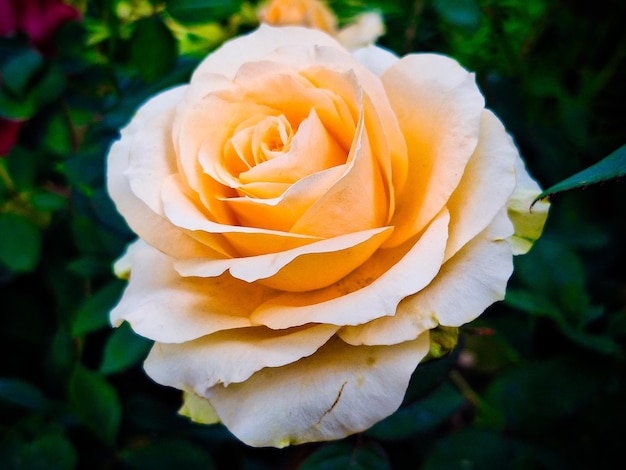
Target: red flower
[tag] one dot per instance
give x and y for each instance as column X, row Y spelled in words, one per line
column 38, row 19
column 8, row 135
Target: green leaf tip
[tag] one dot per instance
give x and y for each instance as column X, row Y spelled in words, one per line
column 609, row 168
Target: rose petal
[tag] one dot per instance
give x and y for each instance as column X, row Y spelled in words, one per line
column 376, row 58
column 309, row 13
column 246, row 241
column 280, row 213
column 227, row 59
column 161, row 305
column 312, row 149
column 477, row 279
column 371, row 291
column 366, row 29
column 338, row 391
column 468, row 283
column 285, row 270
column 231, row 356
column 528, row 219
column 486, row 186
column 320, row 65
column 359, row 200
column 140, row 216
column 438, row 106
column 151, row 155
column 198, row 409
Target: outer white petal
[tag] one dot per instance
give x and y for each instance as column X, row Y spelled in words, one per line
column 376, row 58
column 231, row 356
column 161, row 305
column 472, row 280
column 227, row 59
column 152, row 157
column 468, row 283
column 143, row 215
column 124, row 263
column 338, row 391
column 527, row 218
column 487, row 184
column 365, row 30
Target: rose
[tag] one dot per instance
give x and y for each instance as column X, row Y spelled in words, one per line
column 308, row 13
column 306, row 216
column 365, row 28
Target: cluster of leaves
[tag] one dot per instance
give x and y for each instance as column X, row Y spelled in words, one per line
column 536, row 382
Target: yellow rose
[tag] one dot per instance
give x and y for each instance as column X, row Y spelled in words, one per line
column 305, row 216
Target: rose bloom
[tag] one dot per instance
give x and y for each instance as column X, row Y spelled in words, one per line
column 308, row 13
column 305, row 216
column 364, row 30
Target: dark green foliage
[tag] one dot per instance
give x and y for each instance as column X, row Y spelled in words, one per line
column 153, row 48
column 537, row 382
column 202, row 11
column 342, row 455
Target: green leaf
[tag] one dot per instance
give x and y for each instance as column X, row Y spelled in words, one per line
column 58, row 135
column 94, row 312
column 84, row 171
column 153, row 48
column 124, row 349
column 202, row 11
column 420, row 417
column 341, row 455
column 20, row 243
column 19, row 74
column 462, row 13
column 46, row 452
column 41, row 88
column 47, row 201
column 61, row 358
column 22, row 393
column 90, row 266
column 166, row 454
column 22, row 165
column 475, row 449
column 533, row 303
column 535, row 395
column 611, row 167
column 554, row 271
column 96, row 403
column 428, row 377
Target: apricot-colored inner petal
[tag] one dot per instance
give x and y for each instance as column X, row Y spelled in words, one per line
column 377, row 286
column 285, row 270
column 282, row 212
column 357, row 201
column 230, row 240
column 312, row 149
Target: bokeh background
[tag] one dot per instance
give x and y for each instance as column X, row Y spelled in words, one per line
column 537, row 382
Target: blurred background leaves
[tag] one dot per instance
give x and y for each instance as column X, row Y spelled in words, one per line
column 537, row 382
